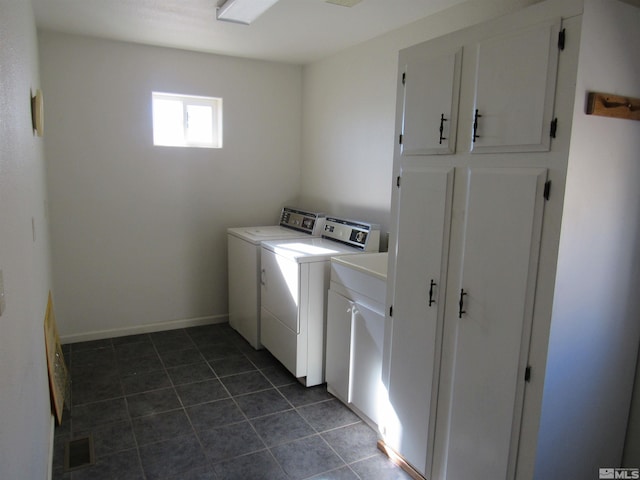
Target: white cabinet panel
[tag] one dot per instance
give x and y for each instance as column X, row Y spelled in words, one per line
column 515, row 86
column 338, row 365
column 490, row 329
column 366, row 391
column 430, row 104
column 423, row 216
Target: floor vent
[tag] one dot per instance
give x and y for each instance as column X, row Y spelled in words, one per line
column 78, row 453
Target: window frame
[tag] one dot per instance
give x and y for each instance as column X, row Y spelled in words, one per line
column 190, row 100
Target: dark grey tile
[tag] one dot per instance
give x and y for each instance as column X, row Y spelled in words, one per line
column 380, row 468
column 139, row 365
column 175, row 344
column 171, row 458
column 344, row 473
column 306, row 457
column 199, row 473
column 232, row 366
column 143, row 382
column 138, row 338
column 241, row 344
column 210, row 334
column 111, row 438
column 214, row 414
column 230, row 441
column 300, row 395
column 90, row 345
column 282, row 427
column 127, row 351
column 255, row 466
column 161, row 426
column 122, row 465
column 190, row 373
column 218, row 351
column 59, row 442
column 58, row 473
column 262, row 403
column 279, row 376
column 353, row 443
column 328, row 415
column 175, row 358
column 262, row 359
column 201, row 392
column 246, row 383
column 109, row 411
column 168, row 336
column 171, row 340
column 87, row 360
column 156, row 401
column 94, row 388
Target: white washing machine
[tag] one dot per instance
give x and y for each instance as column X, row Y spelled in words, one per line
column 294, row 282
column 243, row 258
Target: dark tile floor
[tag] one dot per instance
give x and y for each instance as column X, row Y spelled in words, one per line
column 200, row 403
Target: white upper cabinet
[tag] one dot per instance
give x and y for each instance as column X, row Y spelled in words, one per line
column 514, row 90
column 430, row 113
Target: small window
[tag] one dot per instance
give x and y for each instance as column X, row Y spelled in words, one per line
column 186, row 120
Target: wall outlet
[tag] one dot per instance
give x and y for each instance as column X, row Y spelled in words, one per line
column 2, row 304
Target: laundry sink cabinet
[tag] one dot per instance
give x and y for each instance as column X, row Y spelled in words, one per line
column 355, row 333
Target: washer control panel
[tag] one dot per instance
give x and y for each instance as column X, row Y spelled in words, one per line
column 307, row 222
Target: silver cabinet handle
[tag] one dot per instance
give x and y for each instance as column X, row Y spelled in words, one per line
column 263, row 276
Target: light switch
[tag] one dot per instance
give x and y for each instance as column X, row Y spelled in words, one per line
column 2, row 304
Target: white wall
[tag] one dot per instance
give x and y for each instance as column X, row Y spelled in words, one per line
column 25, row 415
column 595, row 327
column 139, row 232
column 349, row 114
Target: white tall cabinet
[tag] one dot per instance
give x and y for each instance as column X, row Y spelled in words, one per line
column 513, row 218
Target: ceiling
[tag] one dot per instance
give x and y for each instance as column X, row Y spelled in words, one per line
column 292, row 31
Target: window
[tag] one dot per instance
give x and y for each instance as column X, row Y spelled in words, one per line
column 186, row 120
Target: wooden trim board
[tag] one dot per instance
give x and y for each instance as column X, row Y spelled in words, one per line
column 399, row 461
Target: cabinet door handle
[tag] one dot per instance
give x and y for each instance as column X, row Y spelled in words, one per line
column 442, row 120
column 475, row 125
column 431, row 300
column 263, row 276
column 461, row 303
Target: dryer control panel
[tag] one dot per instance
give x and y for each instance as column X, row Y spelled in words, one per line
column 364, row 236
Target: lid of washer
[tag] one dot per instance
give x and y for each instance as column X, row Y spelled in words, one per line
column 294, row 223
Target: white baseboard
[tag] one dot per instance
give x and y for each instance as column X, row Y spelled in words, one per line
column 147, row 328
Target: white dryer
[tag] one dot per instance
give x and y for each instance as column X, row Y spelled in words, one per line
column 243, row 245
column 294, row 282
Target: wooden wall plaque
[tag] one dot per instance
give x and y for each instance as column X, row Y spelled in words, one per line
column 616, row 106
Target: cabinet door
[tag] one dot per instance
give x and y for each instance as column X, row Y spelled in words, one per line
column 515, row 90
column 430, row 104
column 366, row 390
column 338, row 358
column 422, row 229
column 487, row 334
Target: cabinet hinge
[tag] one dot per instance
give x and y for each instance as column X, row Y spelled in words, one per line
column 404, row 78
column 561, row 39
column 391, row 311
column 547, row 189
column 554, row 128
column 527, row 374
column 400, row 139
column 398, row 181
